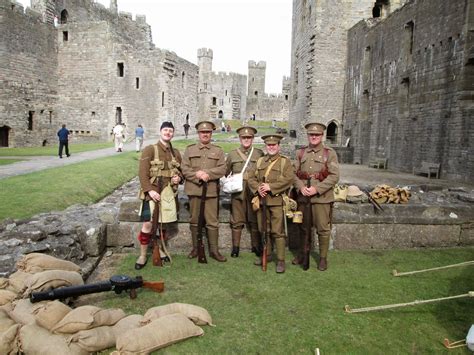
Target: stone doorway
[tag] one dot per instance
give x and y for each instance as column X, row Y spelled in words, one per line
column 331, row 133
column 4, row 132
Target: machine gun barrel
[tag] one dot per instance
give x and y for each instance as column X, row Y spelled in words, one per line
column 117, row 283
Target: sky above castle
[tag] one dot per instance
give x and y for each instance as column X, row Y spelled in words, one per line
column 236, row 30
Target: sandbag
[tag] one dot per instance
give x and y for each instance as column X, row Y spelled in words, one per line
column 5, row 321
column 198, row 315
column 47, row 280
column 35, row 340
column 3, row 283
column 8, row 340
column 157, row 334
column 87, row 317
column 96, row 339
column 23, row 311
column 38, row 262
column 125, row 324
column 17, row 282
column 6, row 297
column 50, row 314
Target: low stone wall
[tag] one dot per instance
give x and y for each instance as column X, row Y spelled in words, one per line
column 355, row 226
column 83, row 233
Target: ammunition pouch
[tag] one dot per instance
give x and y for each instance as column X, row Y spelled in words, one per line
column 303, row 175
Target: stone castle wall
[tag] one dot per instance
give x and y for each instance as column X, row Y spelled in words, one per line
column 409, row 88
column 70, row 74
column 28, row 76
column 318, row 58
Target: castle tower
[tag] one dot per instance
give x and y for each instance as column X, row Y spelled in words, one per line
column 113, row 7
column 256, row 79
column 45, row 7
column 205, row 60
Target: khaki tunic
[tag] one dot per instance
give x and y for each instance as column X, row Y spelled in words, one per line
column 242, row 212
column 147, row 156
column 313, row 162
column 211, row 159
column 280, row 180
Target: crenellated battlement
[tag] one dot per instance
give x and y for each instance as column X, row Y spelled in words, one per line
column 205, row 52
column 260, row 65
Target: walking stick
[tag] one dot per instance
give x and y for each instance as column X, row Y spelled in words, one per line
column 201, row 253
column 396, row 273
column 308, row 220
column 397, row 305
column 264, row 233
column 156, row 257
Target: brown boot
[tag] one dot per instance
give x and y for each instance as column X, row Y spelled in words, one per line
column 194, row 252
column 323, row 264
column 236, row 235
column 212, row 236
column 142, row 259
column 280, row 267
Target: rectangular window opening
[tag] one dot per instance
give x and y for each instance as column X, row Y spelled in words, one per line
column 162, row 99
column 118, row 115
column 120, row 69
column 31, row 115
column 65, row 36
column 137, row 83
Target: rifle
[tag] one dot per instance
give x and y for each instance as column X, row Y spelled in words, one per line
column 201, row 253
column 308, row 220
column 156, row 257
column 263, row 201
column 117, row 283
column 377, row 207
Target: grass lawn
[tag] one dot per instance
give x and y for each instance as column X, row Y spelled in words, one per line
column 297, row 312
column 58, row 188
column 9, row 161
column 52, row 150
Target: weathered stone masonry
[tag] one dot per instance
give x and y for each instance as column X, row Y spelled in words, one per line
column 98, row 67
column 409, row 90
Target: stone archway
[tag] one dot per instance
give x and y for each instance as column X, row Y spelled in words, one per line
column 4, row 133
column 64, row 16
column 332, row 132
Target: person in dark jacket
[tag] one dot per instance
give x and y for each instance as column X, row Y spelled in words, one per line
column 63, row 135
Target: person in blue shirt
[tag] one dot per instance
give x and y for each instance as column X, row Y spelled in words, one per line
column 63, row 135
column 139, row 132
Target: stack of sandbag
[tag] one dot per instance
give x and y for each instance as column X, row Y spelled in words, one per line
column 162, row 326
column 388, row 194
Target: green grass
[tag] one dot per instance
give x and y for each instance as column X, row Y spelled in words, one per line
column 53, row 150
column 58, row 188
column 297, row 312
column 9, row 161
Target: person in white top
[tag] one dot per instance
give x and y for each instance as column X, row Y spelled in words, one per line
column 119, row 135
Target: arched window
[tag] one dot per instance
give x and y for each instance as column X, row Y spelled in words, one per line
column 331, row 133
column 221, row 114
column 183, row 77
column 64, row 16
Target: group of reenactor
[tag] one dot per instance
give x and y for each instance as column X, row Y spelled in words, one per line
column 267, row 179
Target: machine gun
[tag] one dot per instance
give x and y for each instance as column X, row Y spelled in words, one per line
column 117, row 283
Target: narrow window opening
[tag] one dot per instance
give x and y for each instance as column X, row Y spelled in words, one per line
column 120, row 69
column 65, row 36
column 162, row 99
column 183, row 76
column 214, row 101
column 118, row 115
column 50, row 117
column 409, row 26
column 376, row 11
column 137, row 83
column 31, row 115
column 64, row 16
column 256, row 93
column 286, row 97
column 226, row 93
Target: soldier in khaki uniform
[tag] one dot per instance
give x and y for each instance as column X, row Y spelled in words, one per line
column 204, row 161
column 241, row 207
column 159, row 163
column 272, row 176
column 319, row 164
